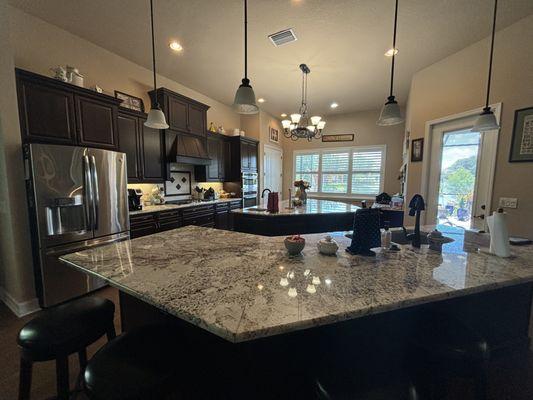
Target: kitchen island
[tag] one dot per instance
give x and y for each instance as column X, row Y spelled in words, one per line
column 266, row 323
column 317, row 215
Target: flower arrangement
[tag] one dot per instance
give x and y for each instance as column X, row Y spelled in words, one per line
column 302, row 184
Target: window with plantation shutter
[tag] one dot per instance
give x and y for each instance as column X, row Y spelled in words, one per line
column 344, row 172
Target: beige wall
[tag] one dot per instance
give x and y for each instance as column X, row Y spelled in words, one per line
column 457, row 84
column 367, row 133
column 16, row 274
column 39, row 46
column 32, row 44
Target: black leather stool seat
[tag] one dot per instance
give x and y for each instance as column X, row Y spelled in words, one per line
column 142, row 364
column 67, row 328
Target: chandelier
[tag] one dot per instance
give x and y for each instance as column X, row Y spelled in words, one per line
column 301, row 125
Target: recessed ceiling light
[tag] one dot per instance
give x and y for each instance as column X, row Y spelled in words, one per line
column 283, row 115
column 391, row 52
column 175, row 46
column 333, row 105
column 260, row 100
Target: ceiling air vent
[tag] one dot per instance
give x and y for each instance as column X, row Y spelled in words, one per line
column 282, row 37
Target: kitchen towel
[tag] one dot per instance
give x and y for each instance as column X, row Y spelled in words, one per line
column 499, row 235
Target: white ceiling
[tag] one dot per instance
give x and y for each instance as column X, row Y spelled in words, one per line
column 342, row 41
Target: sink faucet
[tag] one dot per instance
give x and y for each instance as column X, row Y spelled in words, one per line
column 263, row 192
column 416, row 206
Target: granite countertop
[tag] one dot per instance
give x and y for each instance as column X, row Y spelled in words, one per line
column 236, row 285
column 313, row 206
column 169, row 206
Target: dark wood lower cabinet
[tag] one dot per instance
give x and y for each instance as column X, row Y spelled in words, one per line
column 216, row 215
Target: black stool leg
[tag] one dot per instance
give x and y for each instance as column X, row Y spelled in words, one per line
column 111, row 334
column 25, row 378
column 82, row 357
column 62, row 378
column 481, row 381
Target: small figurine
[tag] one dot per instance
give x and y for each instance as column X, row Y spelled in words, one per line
column 212, row 127
column 327, row 246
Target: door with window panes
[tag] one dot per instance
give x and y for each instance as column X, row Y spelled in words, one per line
column 352, row 172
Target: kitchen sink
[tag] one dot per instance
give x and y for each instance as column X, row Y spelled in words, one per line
column 256, row 209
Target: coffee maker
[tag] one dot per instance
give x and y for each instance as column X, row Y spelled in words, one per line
column 134, row 199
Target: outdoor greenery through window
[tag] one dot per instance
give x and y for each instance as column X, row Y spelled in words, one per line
column 350, row 172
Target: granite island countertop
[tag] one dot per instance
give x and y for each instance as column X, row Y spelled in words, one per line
column 171, row 206
column 236, row 285
column 312, row 207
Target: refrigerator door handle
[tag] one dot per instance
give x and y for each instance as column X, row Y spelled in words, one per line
column 87, row 191
column 96, row 193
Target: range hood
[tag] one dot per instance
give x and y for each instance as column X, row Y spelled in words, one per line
column 186, row 149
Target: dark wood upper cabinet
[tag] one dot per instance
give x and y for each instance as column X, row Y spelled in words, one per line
column 213, row 152
column 218, row 150
column 153, row 162
column 183, row 114
column 252, row 156
column 129, row 143
column 177, row 114
column 243, row 156
column 96, row 123
column 60, row 113
column 46, row 114
column 197, row 120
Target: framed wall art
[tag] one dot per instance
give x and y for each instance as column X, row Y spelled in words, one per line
column 522, row 141
column 417, row 150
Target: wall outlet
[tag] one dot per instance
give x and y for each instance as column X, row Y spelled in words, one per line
column 508, row 202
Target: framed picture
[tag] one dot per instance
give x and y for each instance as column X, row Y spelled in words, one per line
column 417, row 150
column 178, row 184
column 522, row 142
column 273, row 134
column 347, row 137
column 130, row 102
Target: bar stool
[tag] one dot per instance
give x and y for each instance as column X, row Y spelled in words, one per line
column 443, row 345
column 151, row 362
column 60, row 331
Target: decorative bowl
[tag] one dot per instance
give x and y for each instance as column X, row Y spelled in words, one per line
column 327, row 246
column 294, row 244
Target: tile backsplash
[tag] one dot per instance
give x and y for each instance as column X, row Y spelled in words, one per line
column 148, row 187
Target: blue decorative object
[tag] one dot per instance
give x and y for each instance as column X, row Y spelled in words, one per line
column 366, row 232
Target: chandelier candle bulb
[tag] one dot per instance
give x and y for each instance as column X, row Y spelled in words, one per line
column 295, row 118
column 286, row 124
column 315, row 120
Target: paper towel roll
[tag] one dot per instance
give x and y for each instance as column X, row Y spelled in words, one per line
column 499, row 236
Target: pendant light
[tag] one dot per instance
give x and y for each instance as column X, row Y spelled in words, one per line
column 487, row 120
column 244, row 102
column 390, row 113
column 156, row 118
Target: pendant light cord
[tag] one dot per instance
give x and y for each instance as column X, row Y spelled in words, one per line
column 491, row 52
column 154, row 102
column 245, row 39
column 393, row 48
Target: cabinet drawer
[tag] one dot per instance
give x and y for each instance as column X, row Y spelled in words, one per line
column 142, row 229
column 196, row 211
column 221, row 206
column 141, row 218
column 202, row 220
column 233, row 205
column 169, row 215
column 165, row 225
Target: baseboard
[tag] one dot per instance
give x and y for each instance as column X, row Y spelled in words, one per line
column 20, row 309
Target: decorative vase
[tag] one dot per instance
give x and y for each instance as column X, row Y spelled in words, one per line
column 294, row 245
column 303, row 195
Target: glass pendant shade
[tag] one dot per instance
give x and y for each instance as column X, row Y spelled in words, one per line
column 294, row 126
column 315, row 120
column 321, row 125
column 156, row 119
column 295, row 118
column 286, row 123
column 244, row 102
column 486, row 121
column 311, row 128
column 390, row 113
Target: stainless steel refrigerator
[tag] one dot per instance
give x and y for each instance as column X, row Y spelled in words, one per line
column 77, row 199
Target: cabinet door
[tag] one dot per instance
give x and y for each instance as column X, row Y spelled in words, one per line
column 152, row 154
column 252, row 156
column 213, row 150
column 128, row 140
column 96, row 123
column 46, row 114
column 197, row 120
column 223, row 159
column 177, row 115
column 245, row 156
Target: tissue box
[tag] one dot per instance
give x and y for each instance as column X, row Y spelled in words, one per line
column 476, row 238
